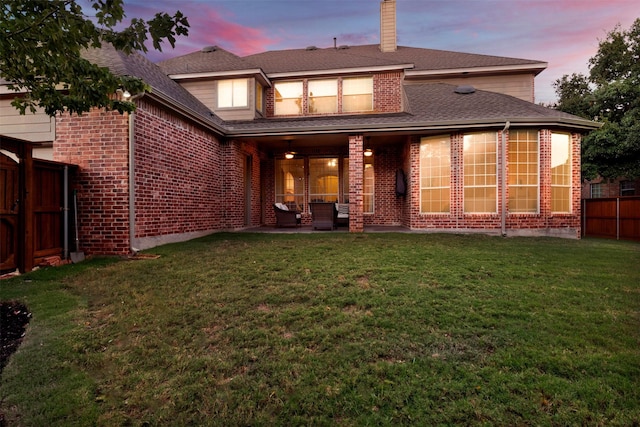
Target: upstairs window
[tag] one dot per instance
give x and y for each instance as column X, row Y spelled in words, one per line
column 357, row 94
column 288, row 97
column 232, row 93
column 259, row 98
column 323, row 96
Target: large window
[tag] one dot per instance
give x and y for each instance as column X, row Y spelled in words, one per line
column 232, row 93
column 435, row 174
column 345, row 180
column 259, row 97
column 523, row 171
column 357, row 94
column 290, row 183
column 369, row 185
column 323, row 96
column 323, row 180
column 480, row 179
column 288, row 97
column 560, row 172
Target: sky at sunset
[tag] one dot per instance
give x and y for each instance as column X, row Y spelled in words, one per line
column 564, row 33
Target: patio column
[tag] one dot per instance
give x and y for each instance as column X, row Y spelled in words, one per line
column 356, row 184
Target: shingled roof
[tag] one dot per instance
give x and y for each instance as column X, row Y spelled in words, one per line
column 430, row 106
column 136, row 65
column 297, row 60
column 312, row 59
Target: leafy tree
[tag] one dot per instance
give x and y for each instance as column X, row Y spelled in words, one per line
column 41, row 52
column 611, row 95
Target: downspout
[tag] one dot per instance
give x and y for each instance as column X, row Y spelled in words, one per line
column 503, row 155
column 132, row 180
column 65, row 212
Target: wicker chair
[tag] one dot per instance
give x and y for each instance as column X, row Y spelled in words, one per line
column 323, row 215
column 285, row 217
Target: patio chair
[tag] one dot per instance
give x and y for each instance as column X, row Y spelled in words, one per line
column 286, row 217
column 323, row 215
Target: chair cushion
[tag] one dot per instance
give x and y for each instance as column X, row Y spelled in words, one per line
column 282, row 206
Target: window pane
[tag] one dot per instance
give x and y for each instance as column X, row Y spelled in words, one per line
column 323, row 180
column 323, row 96
column 290, row 183
column 232, row 93
column 479, row 158
column 560, row 172
column 259, row 103
column 288, row 97
column 523, row 171
column 435, row 174
column 345, row 180
column 369, row 182
column 357, row 94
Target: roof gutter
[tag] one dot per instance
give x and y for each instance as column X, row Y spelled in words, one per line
column 399, row 128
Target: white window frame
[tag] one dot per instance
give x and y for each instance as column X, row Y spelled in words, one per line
column 233, row 93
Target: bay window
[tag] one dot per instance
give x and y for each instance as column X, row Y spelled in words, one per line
column 480, row 179
column 523, row 171
column 561, row 172
column 435, row 174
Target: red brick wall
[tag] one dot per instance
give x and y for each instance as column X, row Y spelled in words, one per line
column 387, row 92
column 186, row 181
column 98, row 143
column 178, row 175
column 388, row 207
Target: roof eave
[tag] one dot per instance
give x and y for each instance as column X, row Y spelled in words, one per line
column 575, row 124
column 223, row 74
column 536, row 68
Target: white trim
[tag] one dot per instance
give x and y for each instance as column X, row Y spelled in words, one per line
column 340, row 71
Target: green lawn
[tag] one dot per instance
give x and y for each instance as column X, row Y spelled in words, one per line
column 334, row 329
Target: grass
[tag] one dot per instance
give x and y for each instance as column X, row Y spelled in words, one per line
column 334, row 329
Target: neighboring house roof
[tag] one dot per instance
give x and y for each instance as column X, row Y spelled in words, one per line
column 432, row 106
column 209, row 59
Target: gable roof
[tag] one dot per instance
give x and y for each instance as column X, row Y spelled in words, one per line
column 162, row 87
column 367, row 57
column 418, row 59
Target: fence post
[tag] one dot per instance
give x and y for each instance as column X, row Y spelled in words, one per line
column 617, row 218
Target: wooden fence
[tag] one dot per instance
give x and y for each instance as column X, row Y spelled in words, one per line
column 612, row 218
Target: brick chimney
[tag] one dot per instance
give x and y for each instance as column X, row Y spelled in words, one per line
column 388, row 41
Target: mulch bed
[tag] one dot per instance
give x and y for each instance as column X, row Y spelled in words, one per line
column 14, row 317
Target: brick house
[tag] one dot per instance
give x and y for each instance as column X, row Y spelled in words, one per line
column 419, row 138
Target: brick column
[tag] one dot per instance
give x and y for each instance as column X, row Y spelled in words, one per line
column 356, row 184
